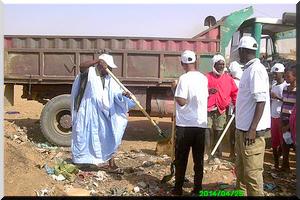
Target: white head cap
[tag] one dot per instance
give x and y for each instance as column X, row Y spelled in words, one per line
column 217, row 58
column 248, row 42
column 236, row 70
column 188, row 57
column 278, row 67
column 108, row 59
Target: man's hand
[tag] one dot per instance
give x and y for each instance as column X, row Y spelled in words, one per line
column 250, row 137
column 212, row 91
column 127, row 94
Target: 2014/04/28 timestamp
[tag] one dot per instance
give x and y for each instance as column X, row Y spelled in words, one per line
column 232, row 193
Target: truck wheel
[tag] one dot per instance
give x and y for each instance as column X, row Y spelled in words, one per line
column 56, row 121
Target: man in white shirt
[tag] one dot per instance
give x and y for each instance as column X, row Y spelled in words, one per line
column 191, row 121
column 253, row 119
column 276, row 103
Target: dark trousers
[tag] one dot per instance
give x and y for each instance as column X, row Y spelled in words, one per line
column 187, row 137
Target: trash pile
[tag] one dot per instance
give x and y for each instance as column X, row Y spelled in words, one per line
column 139, row 173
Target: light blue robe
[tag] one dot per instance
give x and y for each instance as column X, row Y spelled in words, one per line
column 99, row 124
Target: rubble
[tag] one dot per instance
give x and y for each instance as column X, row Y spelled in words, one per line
column 59, row 177
column 101, row 176
column 136, row 189
column 142, row 184
column 43, row 192
column 148, row 163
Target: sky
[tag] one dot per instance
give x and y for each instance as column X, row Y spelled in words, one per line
column 140, row 20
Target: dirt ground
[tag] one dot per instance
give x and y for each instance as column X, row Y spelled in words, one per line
column 26, row 160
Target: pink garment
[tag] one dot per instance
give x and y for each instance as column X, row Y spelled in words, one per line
column 227, row 91
column 293, row 124
column 276, row 135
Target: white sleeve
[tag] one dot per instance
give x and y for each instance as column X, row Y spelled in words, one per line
column 181, row 89
column 258, row 86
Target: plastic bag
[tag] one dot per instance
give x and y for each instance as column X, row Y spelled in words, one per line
column 287, row 136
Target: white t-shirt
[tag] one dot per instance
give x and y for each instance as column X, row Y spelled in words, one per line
column 193, row 87
column 276, row 103
column 253, row 87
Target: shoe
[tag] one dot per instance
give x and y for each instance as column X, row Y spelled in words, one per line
column 176, row 192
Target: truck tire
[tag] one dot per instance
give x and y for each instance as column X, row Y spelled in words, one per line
column 56, row 121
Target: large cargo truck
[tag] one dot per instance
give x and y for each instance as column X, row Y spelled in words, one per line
column 46, row 66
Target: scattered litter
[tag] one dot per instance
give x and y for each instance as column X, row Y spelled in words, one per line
column 67, row 170
column 269, row 186
column 12, row 112
column 274, row 175
column 117, row 191
column 46, row 145
column 59, row 177
column 136, row 189
column 43, row 192
column 147, row 163
column 49, row 170
column 84, row 175
column 15, row 137
column 101, row 176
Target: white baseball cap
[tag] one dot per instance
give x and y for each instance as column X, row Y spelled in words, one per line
column 278, row 67
column 188, row 57
column 108, row 59
column 248, row 42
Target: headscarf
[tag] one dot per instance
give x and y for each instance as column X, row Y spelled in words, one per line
column 216, row 59
column 236, row 70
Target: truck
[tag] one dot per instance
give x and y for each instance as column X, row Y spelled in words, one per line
column 46, row 65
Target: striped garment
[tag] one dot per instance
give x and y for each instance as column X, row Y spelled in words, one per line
column 289, row 100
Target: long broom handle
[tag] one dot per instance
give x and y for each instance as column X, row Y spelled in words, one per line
column 134, row 99
column 222, row 135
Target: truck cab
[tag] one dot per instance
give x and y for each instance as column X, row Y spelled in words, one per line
column 277, row 39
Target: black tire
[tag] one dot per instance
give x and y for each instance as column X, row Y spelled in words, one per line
column 55, row 119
